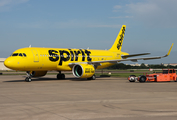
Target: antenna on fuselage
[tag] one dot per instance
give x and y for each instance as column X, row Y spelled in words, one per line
column 29, row 46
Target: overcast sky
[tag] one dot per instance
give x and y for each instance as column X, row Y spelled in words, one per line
column 151, row 25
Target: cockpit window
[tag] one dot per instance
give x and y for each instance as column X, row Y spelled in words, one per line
column 15, row 54
column 24, row 54
column 19, row 54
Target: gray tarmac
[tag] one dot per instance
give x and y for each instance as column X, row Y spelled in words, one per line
column 106, row 98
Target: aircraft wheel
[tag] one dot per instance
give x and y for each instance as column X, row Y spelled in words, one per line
column 60, row 76
column 142, row 79
column 92, row 78
column 28, row 79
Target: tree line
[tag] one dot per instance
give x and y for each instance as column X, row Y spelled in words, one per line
column 142, row 66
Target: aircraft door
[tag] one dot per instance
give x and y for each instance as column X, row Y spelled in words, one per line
column 36, row 55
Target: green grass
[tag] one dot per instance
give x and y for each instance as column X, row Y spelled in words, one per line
column 124, row 75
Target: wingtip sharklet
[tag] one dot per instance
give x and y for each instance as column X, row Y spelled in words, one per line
column 170, row 50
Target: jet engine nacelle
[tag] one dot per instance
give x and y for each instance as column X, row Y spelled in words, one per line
column 83, row 70
column 36, row 73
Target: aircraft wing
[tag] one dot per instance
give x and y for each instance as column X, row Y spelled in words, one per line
column 132, row 59
column 133, row 55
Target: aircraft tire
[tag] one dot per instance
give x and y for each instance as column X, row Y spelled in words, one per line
column 28, row 79
column 92, row 78
column 60, row 76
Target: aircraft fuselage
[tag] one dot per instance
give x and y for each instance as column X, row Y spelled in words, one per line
column 45, row 59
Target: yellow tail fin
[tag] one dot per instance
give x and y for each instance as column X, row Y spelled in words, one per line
column 117, row 46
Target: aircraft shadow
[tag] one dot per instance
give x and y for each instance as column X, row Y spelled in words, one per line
column 48, row 79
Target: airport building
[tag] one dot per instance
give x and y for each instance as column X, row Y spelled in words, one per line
column 2, row 67
column 171, row 64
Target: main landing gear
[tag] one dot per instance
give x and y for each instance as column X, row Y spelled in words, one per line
column 60, row 76
column 92, row 78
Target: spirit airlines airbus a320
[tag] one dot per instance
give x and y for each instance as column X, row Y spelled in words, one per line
column 82, row 62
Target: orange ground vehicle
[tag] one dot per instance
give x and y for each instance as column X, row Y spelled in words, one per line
column 166, row 75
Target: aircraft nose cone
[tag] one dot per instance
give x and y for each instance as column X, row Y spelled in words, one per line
column 8, row 63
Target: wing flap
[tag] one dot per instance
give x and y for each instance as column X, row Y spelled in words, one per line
column 133, row 55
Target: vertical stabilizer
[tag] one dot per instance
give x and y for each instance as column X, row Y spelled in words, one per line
column 117, row 46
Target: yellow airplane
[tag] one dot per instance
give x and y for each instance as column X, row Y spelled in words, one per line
column 82, row 62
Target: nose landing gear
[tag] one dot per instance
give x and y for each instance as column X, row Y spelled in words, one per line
column 28, row 78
